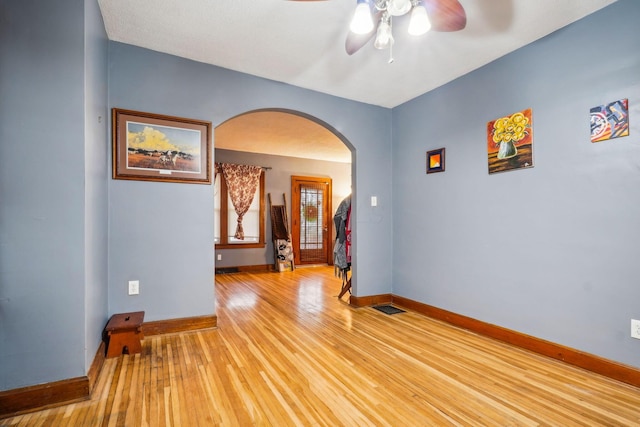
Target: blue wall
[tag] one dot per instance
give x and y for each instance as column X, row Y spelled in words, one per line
column 162, row 234
column 549, row 251
column 96, row 172
column 42, row 192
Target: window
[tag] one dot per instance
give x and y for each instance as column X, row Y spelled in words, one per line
column 225, row 218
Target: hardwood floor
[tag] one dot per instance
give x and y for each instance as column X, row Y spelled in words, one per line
column 288, row 352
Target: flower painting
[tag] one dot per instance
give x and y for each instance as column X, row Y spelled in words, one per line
column 510, row 142
column 610, row 121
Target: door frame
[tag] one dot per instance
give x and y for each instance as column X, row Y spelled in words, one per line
column 295, row 215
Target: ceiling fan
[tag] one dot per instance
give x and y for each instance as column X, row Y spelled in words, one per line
column 374, row 17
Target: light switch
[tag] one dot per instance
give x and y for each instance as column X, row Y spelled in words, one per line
column 134, row 287
column 374, row 201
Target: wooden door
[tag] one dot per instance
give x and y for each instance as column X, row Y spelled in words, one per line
column 311, row 221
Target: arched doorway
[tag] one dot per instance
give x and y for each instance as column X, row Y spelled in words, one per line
column 283, row 134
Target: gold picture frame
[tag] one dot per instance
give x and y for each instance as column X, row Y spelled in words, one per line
column 154, row 147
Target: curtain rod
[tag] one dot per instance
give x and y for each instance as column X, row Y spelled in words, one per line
column 267, row 168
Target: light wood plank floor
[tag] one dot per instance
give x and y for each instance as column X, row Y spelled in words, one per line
column 288, row 352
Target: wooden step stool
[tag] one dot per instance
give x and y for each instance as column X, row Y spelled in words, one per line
column 124, row 333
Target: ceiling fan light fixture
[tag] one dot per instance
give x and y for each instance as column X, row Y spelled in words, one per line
column 384, row 36
column 419, row 23
column 398, row 7
column 362, row 22
column 373, row 20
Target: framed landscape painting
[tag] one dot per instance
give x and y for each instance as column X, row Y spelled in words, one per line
column 153, row 147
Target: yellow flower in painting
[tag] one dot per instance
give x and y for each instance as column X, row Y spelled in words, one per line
column 501, row 123
column 519, row 118
column 512, row 128
column 518, row 133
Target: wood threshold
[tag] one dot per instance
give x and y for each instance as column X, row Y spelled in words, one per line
column 258, row 245
column 581, row 359
column 245, row 269
column 184, row 324
column 42, row 396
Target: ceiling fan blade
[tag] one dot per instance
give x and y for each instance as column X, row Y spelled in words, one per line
column 354, row 41
column 446, row 15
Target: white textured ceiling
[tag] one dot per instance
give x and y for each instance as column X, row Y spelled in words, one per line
column 302, row 43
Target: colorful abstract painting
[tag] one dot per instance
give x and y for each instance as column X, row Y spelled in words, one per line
column 610, row 120
column 435, row 160
column 510, row 142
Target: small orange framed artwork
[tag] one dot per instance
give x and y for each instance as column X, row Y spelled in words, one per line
column 510, row 142
column 435, row 160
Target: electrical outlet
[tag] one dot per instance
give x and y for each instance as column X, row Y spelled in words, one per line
column 134, row 287
column 219, row 257
column 635, row 328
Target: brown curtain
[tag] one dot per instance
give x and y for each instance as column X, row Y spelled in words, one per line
column 242, row 183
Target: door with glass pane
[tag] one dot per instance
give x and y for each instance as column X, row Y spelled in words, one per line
column 311, row 220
